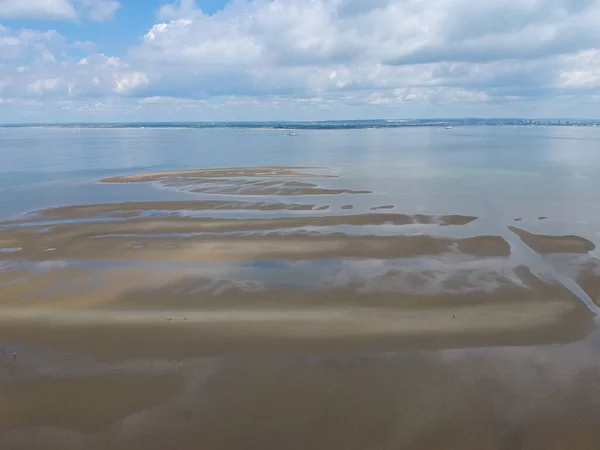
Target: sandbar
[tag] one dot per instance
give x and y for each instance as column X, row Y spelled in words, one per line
column 174, row 224
column 239, row 181
column 246, row 172
column 268, row 246
column 545, row 244
column 130, row 209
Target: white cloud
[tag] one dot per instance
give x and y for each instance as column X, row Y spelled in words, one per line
column 171, row 102
column 44, row 76
column 96, row 10
column 37, row 9
column 44, row 85
column 431, row 57
column 126, row 82
column 25, row 44
column 477, row 52
column 582, row 70
column 94, row 107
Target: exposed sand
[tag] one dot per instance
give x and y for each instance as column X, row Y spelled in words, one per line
column 274, row 246
column 121, row 335
column 228, row 187
column 554, row 244
column 246, row 172
column 143, row 313
column 129, row 209
column 239, row 181
column 174, row 225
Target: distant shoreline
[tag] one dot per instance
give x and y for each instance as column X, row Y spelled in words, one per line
column 327, row 125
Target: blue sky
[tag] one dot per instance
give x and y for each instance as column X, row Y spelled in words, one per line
column 215, row 60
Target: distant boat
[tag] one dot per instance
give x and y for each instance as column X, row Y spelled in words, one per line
column 293, row 133
column 448, row 127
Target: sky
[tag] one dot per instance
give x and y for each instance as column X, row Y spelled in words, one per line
column 257, row 60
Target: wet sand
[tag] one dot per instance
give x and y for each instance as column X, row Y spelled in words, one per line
column 86, row 403
column 239, row 181
column 154, row 330
column 170, row 224
column 154, row 312
column 544, row 244
column 269, row 246
column 132, row 209
column 506, row 400
column 247, row 172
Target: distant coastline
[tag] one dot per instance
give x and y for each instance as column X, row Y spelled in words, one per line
column 329, row 125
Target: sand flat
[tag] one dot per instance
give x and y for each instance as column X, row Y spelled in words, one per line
column 239, row 181
column 545, row 244
column 168, row 225
column 247, row 172
column 285, row 191
column 125, row 209
column 141, row 312
column 270, row 246
column 165, row 333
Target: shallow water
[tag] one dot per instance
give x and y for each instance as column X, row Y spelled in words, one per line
column 499, row 173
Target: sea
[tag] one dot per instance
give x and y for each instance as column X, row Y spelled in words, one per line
column 496, row 173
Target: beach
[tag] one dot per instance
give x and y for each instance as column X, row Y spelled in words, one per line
column 289, row 306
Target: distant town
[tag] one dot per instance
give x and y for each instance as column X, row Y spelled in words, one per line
column 334, row 124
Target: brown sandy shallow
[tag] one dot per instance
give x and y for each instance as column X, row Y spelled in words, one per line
column 546, row 244
column 262, row 172
column 86, row 403
column 410, row 404
column 494, row 401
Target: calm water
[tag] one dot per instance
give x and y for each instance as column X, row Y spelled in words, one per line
column 493, row 172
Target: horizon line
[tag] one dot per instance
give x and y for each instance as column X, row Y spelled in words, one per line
column 389, row 121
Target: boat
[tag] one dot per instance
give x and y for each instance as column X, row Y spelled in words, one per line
column 293, row 133
column 448, row 127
